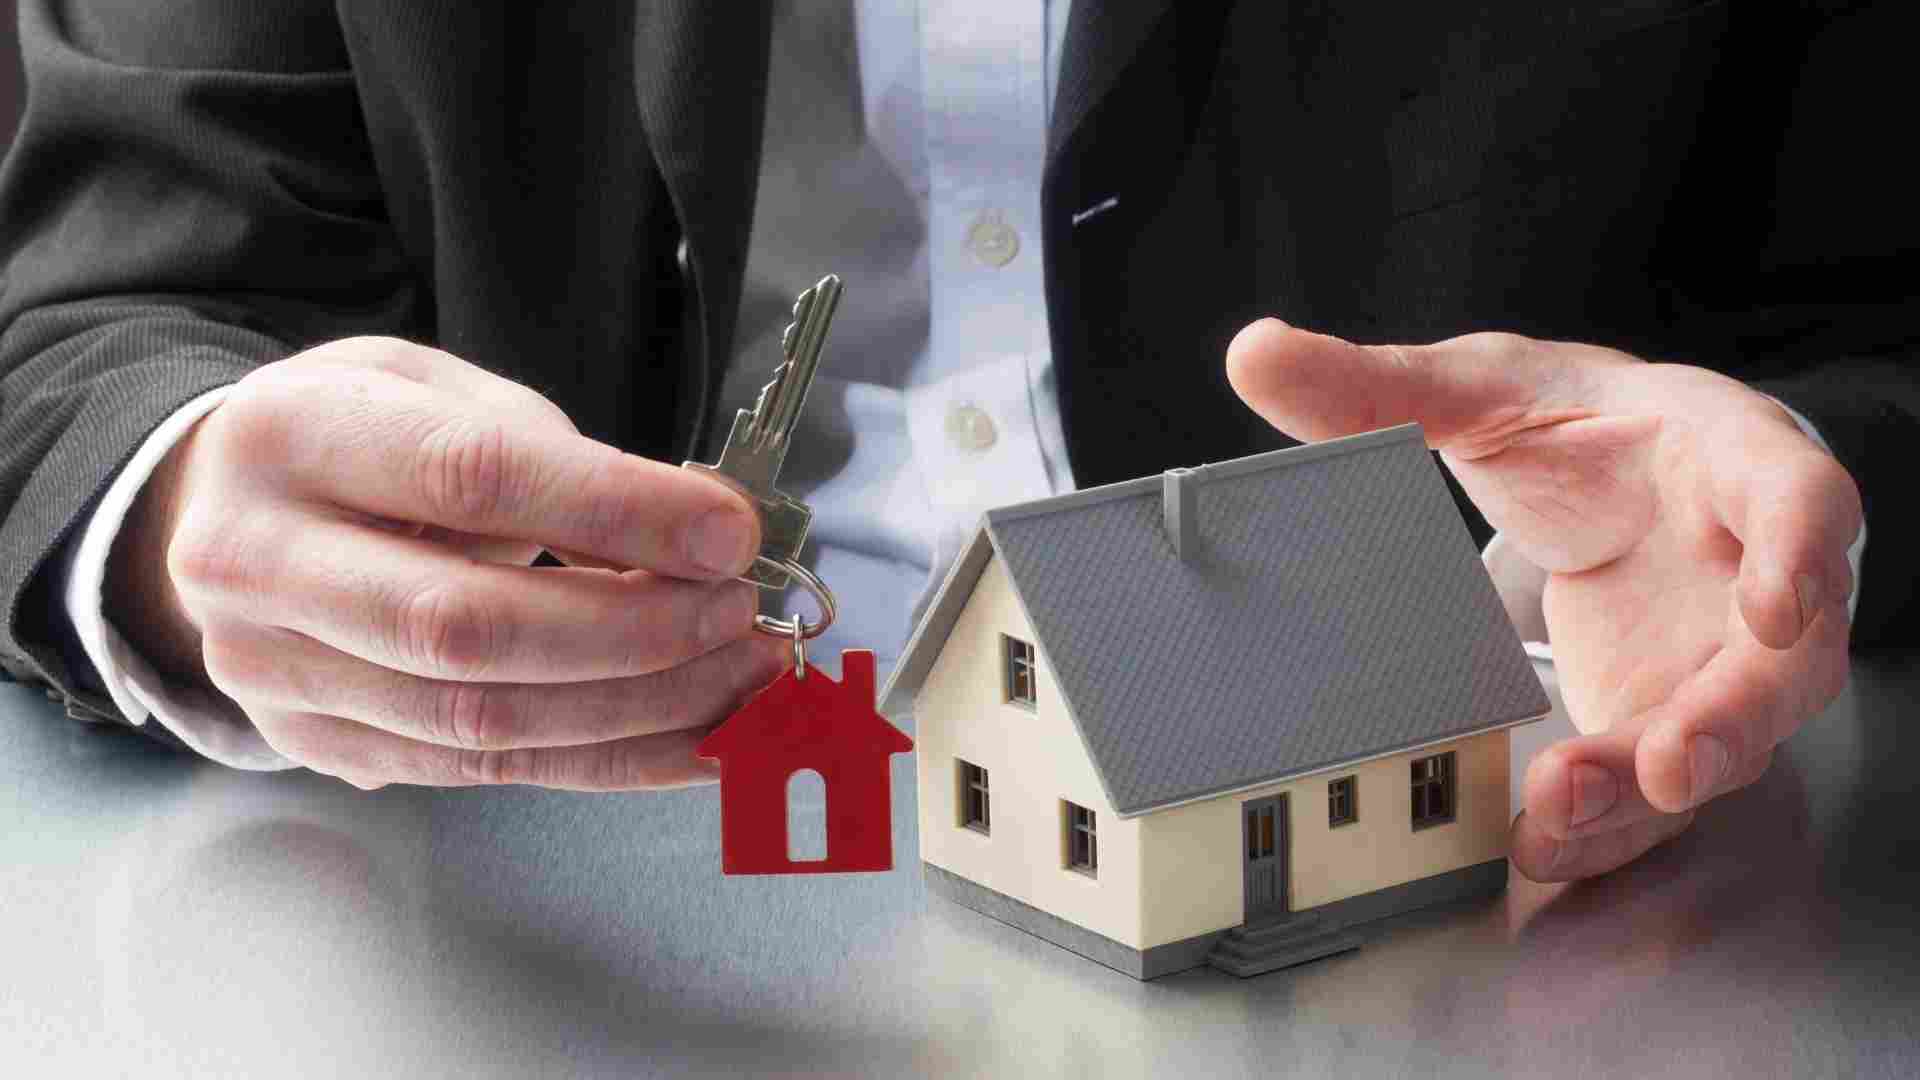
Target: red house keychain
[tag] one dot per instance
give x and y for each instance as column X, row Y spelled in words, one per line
column 804, row 720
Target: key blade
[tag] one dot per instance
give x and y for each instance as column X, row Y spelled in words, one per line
column 756, row 447
column 803, row 341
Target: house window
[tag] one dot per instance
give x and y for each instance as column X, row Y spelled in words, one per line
column 1083, row 846
column 1433, row 790
column 1343, row 802
column 1019, row 674
column 976, row 812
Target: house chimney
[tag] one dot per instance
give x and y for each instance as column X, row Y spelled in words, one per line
column 1180, row 506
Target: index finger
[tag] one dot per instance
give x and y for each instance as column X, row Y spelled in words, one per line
column 414, row 452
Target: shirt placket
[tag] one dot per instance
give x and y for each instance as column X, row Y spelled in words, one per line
column 970, row 407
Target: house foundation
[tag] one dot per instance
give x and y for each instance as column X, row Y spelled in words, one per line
column 1477, row 882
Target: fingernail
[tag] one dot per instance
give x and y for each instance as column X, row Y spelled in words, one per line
column 1707, row 759
column 1594, row 793
column 1809, row 593
column 729, row 614
column 721, row 541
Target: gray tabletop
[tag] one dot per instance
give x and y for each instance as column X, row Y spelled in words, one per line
column 163, row 917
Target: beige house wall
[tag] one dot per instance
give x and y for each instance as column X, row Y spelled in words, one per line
column 1192, row 875
column 1176, row 873
column 1034, row 760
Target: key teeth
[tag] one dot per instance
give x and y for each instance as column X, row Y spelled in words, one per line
column 802, row 304
column 760, row 410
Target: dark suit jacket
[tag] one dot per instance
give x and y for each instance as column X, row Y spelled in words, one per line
column 199, row 188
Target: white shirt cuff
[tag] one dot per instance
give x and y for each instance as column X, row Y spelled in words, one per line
column 1520, row 583
column 205, row 721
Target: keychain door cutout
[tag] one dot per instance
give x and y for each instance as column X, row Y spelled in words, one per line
column 798, row 723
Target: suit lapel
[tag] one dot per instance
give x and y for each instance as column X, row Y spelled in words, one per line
column 701, row 83
column 1102, row 38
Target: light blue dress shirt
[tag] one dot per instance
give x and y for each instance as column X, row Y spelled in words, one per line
column 904, row 148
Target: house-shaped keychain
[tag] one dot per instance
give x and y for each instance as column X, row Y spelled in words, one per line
column 805, row 720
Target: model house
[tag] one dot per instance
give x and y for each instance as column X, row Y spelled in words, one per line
column 807, row 724
column 1224, row 714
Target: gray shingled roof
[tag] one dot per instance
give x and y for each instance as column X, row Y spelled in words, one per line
column 1337, row 610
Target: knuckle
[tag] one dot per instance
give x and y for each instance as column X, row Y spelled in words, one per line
column 398, row 356
column 229, row 663
column 676, row 702
column 1814, row 479
column 447, row 631
column 620, row 766
column 361, row 350
column 468, row 470
column 1832, row 476
column 381, row 353
column 405, row 359
column 492, row 767
column 272, row 733
column 611, row 514
column 657, row 642
column 474, row 766
column 1814, row 472
column 289, row 738
column 254, row 418
column 472, row 716
column 1401, row 357
column 219, row 553
column 1499, row 344
column 202, row 557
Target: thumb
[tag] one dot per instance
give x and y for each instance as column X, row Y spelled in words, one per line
column 1478, row 389
column 1515, row 418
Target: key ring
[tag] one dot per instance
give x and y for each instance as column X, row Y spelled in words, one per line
column 796, row 628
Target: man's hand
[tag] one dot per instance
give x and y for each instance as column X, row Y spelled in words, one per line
column 341, row 547
column 1695, row 543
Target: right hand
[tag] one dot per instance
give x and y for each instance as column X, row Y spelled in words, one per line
column 341, row 547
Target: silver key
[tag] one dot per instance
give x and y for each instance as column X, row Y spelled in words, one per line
column 757, row 445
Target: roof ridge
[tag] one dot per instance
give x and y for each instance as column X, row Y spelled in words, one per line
column 1255, row 463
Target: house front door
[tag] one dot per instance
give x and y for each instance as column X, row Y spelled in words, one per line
column 1264, row 828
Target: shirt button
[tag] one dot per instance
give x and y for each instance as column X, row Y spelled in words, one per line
column 992, row 240
column 970, row 428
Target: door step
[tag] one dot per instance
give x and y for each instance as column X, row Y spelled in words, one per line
column 1245, row 952
column 1291, row 926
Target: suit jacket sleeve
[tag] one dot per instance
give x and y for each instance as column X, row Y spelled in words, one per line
column 189, row 196
column 1868, row 410
column 1828, row 325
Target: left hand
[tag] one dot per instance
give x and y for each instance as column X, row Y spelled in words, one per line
column 1695, row 542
